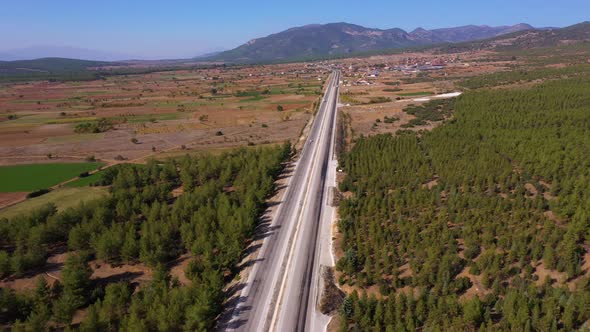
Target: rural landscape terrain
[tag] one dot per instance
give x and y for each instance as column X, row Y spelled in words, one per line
column 324, row 178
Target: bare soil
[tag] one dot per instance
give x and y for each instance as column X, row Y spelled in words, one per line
column 7, row 199
column 162, row 110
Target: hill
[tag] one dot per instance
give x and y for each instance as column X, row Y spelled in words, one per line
column 44, row 51
column 529, row 39
column 49, row 68
column 312, row 41
column 49, row 65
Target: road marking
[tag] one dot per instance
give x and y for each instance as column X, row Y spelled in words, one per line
column 252, row 275
column 300, row 213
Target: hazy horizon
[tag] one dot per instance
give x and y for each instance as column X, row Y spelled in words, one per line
column 184, row 29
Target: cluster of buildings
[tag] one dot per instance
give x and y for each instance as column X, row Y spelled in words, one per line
column 365, row 72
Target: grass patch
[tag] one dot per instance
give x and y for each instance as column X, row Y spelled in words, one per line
column 29, row 119
column 63, row 198
column 72, row 120
column 93, row 93
column 255, row 98
column 74, row 138
column 83, row 107
column 37, row 176
column 379, row 100
column 34, row 101
column 419, row 93
column 151, row 117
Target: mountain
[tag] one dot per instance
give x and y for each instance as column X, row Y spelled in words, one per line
column 50, row 65
column 545, row 37
column 37, row 52
column 208, row 54
column 472, row 32
column 317, row 40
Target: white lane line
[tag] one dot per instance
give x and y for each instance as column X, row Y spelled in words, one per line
column 252, row 275
column 291, row 240
column 300, row 211
column 327, row 213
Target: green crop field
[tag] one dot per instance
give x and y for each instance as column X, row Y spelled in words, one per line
column 38, row 176
column 63, row 198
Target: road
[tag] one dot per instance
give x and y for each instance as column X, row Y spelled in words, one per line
column 281, row 289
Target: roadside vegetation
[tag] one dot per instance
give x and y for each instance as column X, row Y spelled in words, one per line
column 480, row 224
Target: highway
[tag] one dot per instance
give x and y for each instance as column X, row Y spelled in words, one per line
column 281, row 290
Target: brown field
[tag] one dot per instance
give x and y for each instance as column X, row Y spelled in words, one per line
column 6, row 199
column 163, row 111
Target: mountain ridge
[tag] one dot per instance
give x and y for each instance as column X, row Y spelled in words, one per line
column 316, row 40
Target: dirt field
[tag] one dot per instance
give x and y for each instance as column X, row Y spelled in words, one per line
column 157, row 112
column 7, row 199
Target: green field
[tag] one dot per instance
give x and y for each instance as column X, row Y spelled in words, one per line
column 63, row 198
column 38, row 176
column 252, row 99
column 151, row 117
column 420, row 93
column 74, row 138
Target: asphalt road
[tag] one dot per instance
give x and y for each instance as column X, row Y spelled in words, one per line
column 280, row 292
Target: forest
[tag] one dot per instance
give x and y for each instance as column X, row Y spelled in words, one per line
column 142, row 222
column 479, row 224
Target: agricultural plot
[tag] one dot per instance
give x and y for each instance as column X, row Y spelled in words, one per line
column 158, row 112
column 62, row 198
column 32, row 177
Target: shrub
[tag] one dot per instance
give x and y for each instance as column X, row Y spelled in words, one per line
column 390, row 119
column 378, row 100
column 99, row 126
column 38, row 193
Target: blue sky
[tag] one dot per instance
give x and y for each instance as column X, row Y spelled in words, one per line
column 179, row 28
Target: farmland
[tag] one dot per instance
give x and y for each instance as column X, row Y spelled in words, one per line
column 63, row 198
column 39, row 176
column 156, row 114
column 131, row 117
